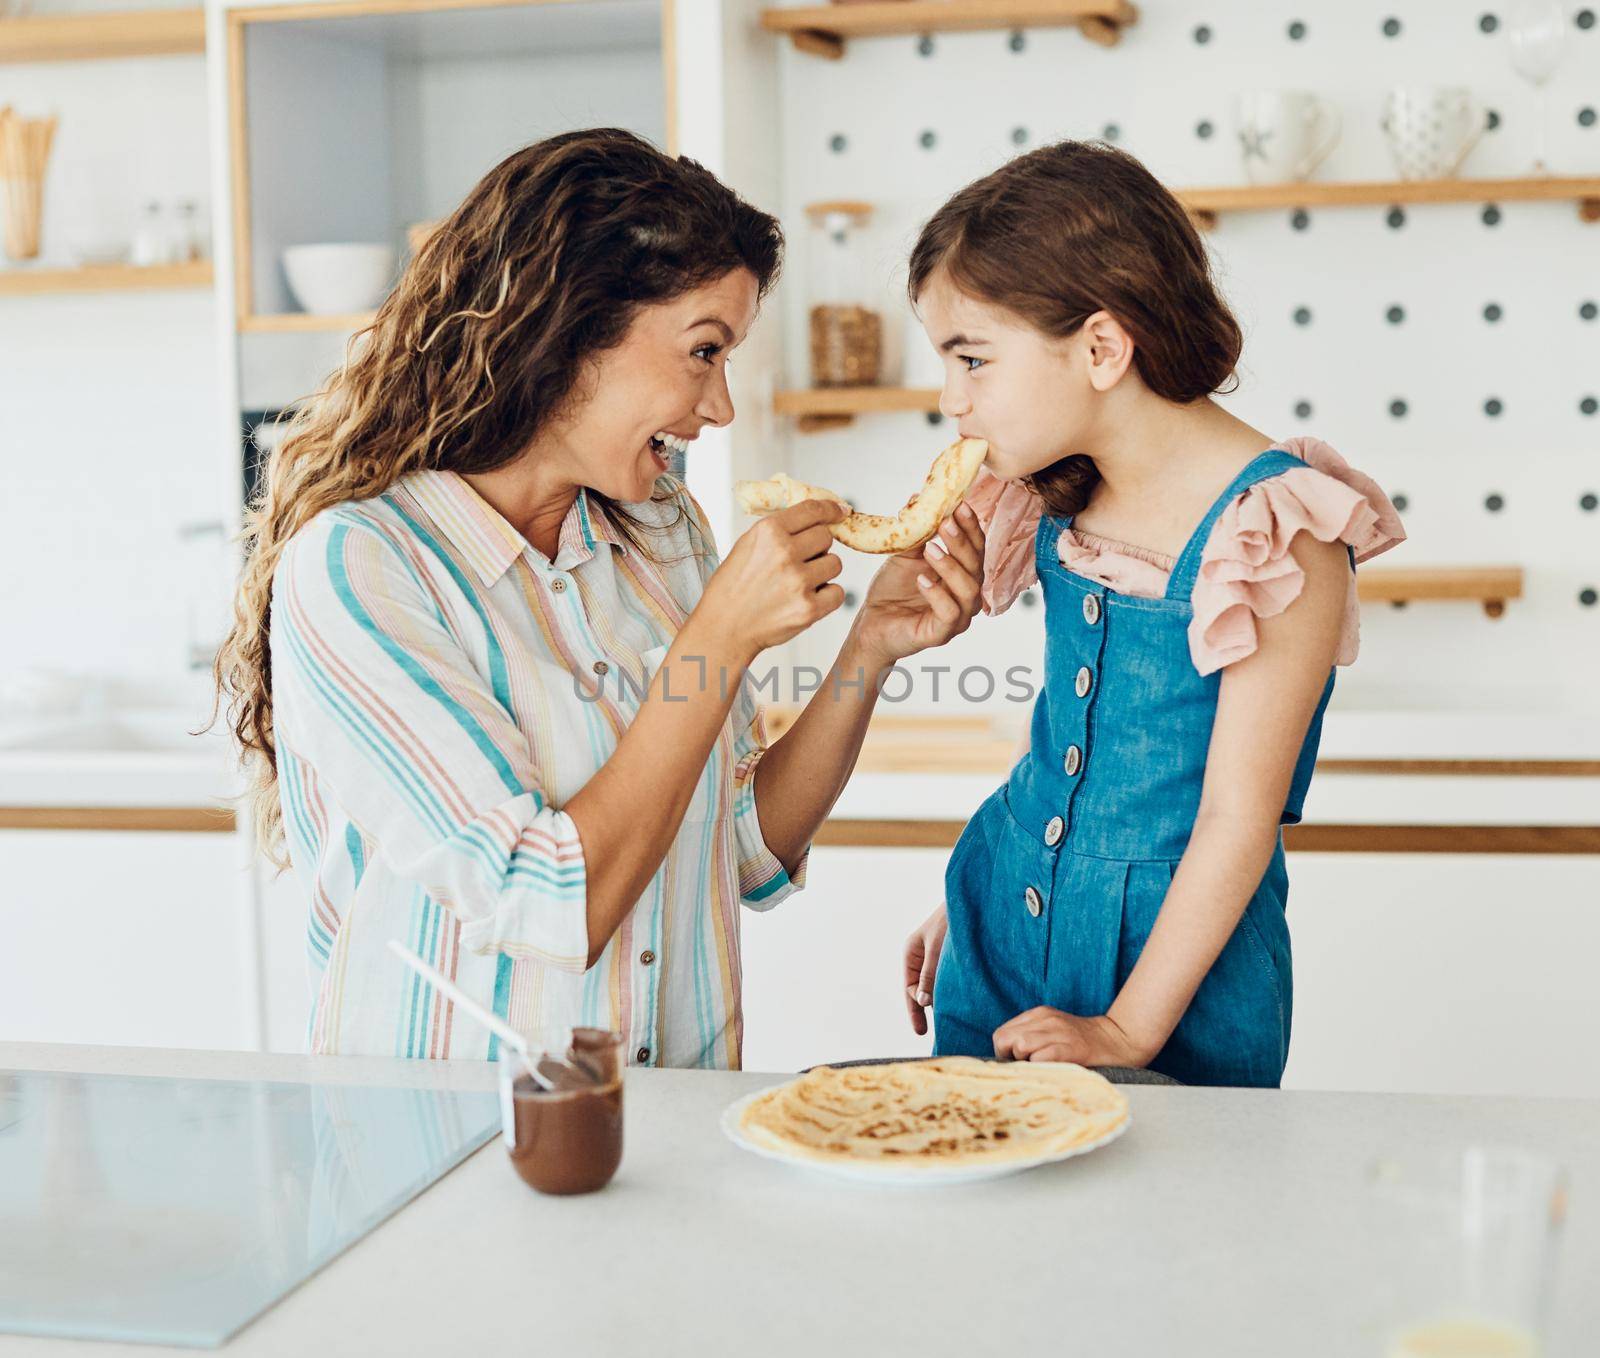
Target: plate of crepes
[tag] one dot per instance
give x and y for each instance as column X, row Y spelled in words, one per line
column 952, row 1119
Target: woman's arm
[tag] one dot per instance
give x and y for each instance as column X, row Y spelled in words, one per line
column 379, row 695
column 772, row 586
column 801, row 776
column 1263, row 710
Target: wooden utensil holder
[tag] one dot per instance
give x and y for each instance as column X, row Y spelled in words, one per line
column 24, row 153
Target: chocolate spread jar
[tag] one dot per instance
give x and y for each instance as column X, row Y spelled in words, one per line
column 569, row 1139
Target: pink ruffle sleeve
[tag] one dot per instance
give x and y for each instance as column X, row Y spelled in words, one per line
column 1009, row 513
column 1247, row 571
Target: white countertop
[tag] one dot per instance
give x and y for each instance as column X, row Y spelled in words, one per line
column 1226, row 1222
column 145, row 764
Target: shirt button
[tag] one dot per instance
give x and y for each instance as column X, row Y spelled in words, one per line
column 647, row 957
column 1073, row 761
column 643, row 1054
column 1052, row 831
column 600, row 667
column 1031, row 899
column 558, row 584
column 1091, row 609
column 1081, row 683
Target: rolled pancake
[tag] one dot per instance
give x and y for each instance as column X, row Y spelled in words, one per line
column 950, row 1111
column 951, row 475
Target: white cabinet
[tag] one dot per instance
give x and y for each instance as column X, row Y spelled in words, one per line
column 124, row 938
column 1458, row 974
column 285, row 970
column 356, row 126
column 822, row 970
column 1461, row 974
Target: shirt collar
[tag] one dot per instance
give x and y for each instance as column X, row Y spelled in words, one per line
column 488, row 542
column 586, row 524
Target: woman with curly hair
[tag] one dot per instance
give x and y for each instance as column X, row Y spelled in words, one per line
column 486, row 668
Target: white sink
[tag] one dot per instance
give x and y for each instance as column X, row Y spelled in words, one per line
column 128, row 757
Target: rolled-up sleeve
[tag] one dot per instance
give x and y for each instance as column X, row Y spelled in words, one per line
column 763, row 881
column 409, row 722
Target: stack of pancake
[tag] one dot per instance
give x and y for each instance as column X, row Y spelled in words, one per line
column 947, row 1112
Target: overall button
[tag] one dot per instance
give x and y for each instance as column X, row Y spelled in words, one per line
column 1091, row 609
column 1081, row 684
column 558, row 584
column 1052, row 831
column 1074, row 760
column 1031, row 899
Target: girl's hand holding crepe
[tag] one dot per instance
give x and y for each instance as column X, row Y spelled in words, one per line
column 922, row 598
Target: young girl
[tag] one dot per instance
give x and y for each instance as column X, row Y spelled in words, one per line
column 1120, row 900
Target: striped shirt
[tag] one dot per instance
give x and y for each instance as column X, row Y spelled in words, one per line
column 440, row 690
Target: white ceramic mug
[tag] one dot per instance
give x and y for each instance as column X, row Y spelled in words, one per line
column 1284, row 134
column 1430, row 130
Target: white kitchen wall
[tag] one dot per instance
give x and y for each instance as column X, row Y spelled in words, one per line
column 1476, row 487
column 108, row 403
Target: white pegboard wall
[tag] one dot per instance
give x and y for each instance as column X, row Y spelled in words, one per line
column 1492, row 308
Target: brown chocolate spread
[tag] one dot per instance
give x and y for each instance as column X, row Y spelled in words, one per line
column 569, row 1139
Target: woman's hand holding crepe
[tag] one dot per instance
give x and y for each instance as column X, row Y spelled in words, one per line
column 925, row 597
column 776, row 581
column 1046, row 1034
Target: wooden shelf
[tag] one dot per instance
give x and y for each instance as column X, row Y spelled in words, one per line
column 930, row 743
column 1205, row 205
column 92, row 37
column 1490, row 586
column 218, row 820
column 304, row 323
column 26, row 282
column 823, row 30
column 833, row 407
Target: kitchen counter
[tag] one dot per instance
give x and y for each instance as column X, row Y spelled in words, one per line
column 1226, row 1222
column 1392, row 768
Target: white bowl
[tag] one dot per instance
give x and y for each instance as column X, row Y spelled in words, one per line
column 334, row 280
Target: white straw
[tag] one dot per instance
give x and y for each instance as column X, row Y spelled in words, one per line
column 493, row 1022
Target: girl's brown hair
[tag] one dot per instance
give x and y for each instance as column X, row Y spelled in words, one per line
column 1075, row 228
column 483, row 342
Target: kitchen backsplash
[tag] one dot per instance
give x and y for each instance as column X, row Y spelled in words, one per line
column 1453, row 351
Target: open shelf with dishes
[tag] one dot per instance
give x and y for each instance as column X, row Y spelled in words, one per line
column 328, row 175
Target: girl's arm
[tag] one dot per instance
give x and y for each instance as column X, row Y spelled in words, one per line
column 1263, row 711
column 1264, row 708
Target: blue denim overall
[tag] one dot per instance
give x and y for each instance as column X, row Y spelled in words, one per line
column 1056, row 882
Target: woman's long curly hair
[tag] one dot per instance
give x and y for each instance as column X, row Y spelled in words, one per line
column 1075, row 228
column 484, row 341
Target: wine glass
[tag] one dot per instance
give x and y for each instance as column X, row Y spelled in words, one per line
column 1537, row 33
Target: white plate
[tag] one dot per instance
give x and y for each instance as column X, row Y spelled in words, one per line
column 866, row 1171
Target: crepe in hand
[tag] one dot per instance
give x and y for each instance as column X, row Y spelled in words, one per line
column 951, row 475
